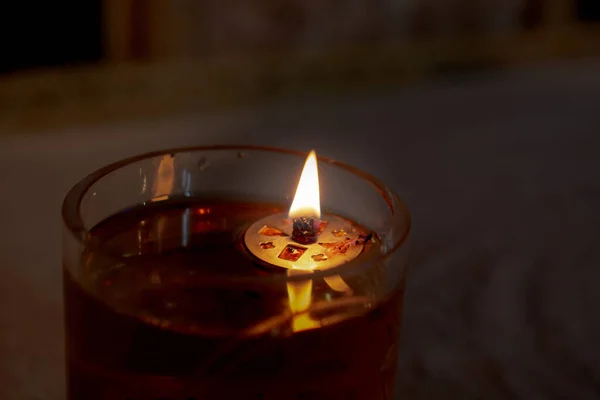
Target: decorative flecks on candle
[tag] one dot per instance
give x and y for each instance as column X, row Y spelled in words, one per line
column 364, row 238
column 321, row 228
column 338, row 247
column 266, row 245
column 319, row 257
column 292, row 252
column 277, row 229
column 342, row 246
column 268, row 231
column 328, row 245
column 338, row 232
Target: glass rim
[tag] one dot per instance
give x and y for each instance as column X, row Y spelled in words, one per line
column 73, row 221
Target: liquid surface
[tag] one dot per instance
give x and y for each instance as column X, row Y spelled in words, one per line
column 153, row 326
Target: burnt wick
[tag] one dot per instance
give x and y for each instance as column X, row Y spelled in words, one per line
column 304, row 230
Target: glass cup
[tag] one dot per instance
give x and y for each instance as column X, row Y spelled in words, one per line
column 162, row 300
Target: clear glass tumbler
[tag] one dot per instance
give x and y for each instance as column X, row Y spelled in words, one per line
column 163, row 300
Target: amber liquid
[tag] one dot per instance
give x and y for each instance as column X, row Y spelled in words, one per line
column 155, row 326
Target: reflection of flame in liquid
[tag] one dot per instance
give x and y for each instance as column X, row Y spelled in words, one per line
column 300, row 297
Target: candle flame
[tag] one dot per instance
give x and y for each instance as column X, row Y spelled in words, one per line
column 306, row 201
column 300, row 298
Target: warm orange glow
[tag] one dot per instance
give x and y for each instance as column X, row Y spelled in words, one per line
column 300, row 298
column 336, row 283
column 165, row 178
column 299, row 293
column 306, row 201
column 160, row 198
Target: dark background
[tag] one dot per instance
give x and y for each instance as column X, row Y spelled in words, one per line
column 68, row 33
column 50, row 34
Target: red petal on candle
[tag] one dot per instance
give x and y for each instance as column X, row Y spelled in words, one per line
column 291, row 253
column 328, row 245
column 268, row 231
column 342, row 246
column 322, row 225
column 266, row 245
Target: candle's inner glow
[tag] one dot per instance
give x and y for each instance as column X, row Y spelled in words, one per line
column 306, row 201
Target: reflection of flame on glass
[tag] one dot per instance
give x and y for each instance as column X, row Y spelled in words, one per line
column 165, row 178
column 300, row 297
column 306, row 201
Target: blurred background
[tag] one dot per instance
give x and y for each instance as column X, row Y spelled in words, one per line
column 481, row 114
column 72, row 61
